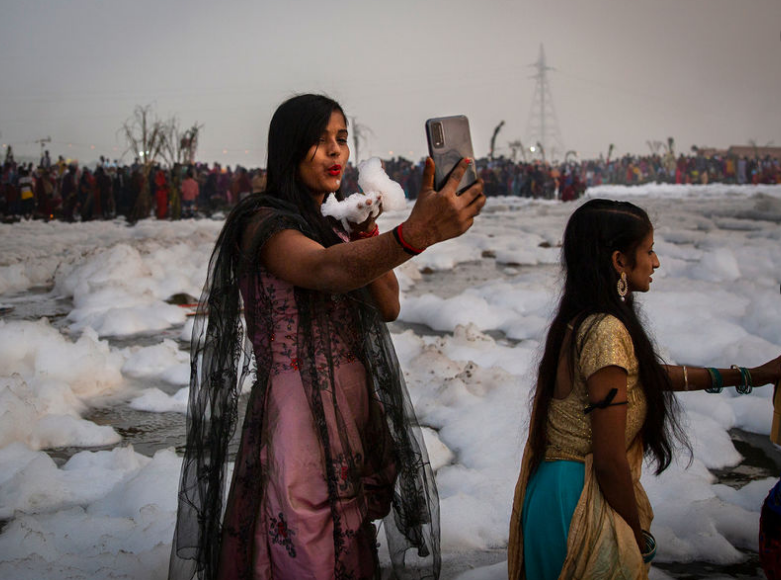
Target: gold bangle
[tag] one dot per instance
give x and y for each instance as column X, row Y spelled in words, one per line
column 685, row 379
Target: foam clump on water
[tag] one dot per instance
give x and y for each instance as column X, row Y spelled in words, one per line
column 105, row 514
column 110, row 514
column 122, row 290
column 44, row 380
column 34, row 484
column 164, row 361
column 156, row 401
column 380, row 192
column 464, row 387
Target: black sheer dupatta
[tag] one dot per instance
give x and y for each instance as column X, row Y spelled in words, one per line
column 222, row 359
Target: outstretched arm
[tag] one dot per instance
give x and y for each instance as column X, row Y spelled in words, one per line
column 698, row 378
column 436, row 216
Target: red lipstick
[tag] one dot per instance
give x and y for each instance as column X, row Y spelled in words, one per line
column 335, row 170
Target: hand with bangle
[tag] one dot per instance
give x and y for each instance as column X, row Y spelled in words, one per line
column 367, row 228
column 364, row 234
column 744, row 379
column 436, row 216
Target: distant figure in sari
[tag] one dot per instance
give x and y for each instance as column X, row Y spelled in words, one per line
column 603, row 401
column 329, row 441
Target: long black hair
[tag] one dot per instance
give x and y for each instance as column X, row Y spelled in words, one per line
column 229, row 345
column 296, row 125
column 594, row 231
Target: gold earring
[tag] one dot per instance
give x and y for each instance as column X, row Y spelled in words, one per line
column 622, row 287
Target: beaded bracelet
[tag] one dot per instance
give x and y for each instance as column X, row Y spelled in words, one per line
column 745, row 376
column 716, row 381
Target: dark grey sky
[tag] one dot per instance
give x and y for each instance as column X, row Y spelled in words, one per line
column 706, row 72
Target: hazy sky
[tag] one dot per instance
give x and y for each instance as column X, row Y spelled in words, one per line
column 706, row 72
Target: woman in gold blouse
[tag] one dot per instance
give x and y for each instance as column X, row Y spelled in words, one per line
column 603, row 401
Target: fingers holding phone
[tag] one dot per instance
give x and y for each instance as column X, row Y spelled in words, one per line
column 472, row 194
column 449, row 142
column 444, row 214
column 451, row 194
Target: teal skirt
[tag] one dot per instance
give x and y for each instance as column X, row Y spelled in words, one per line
column 552, row 493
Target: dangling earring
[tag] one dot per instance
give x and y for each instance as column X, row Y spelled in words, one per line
column 622, row 287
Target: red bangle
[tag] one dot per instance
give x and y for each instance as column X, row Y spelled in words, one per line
column 364, row 235
column 412, row 250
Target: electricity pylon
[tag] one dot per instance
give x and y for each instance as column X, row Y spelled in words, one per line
column 543, row 126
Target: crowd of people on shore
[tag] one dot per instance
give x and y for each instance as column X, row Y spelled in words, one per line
column 64, row 190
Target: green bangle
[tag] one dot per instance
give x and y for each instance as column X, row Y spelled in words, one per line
column 747, row 384
column 650, row 547
column 716, row 381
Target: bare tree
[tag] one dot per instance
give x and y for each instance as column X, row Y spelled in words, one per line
column 654, row 146
column 670, row 147
column 179, row 146
column 493, row 139
column 189, row 142
column 360, row 132
column 178, row 149
column 145, row 135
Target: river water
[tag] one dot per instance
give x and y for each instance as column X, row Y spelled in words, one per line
column 149, row 432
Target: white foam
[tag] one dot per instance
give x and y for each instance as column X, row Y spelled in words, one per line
column 156, row 401
column 714, row 302
column 110, row 515
column 379, row 192
column 164, row 360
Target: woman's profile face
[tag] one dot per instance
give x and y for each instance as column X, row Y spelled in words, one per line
column 646, row 261
column 323, row 166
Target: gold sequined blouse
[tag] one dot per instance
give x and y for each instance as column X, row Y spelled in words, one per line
column 569, row 429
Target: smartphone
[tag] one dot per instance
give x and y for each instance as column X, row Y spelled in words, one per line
column 449, row 141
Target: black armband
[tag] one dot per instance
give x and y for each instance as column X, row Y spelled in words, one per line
column 605, row 403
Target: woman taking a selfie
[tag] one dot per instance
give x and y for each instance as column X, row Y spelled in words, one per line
column 603, row 401
column 329, row 439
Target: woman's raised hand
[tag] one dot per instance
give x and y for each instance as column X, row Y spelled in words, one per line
column 369, row 224
column 440, row 215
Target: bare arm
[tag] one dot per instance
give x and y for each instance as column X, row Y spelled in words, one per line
column 699, row 378
column 341, row 268
column 608, row 432
column 436, row 216
column 385, row 291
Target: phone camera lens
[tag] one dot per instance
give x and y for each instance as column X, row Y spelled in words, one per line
column 439, row 138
